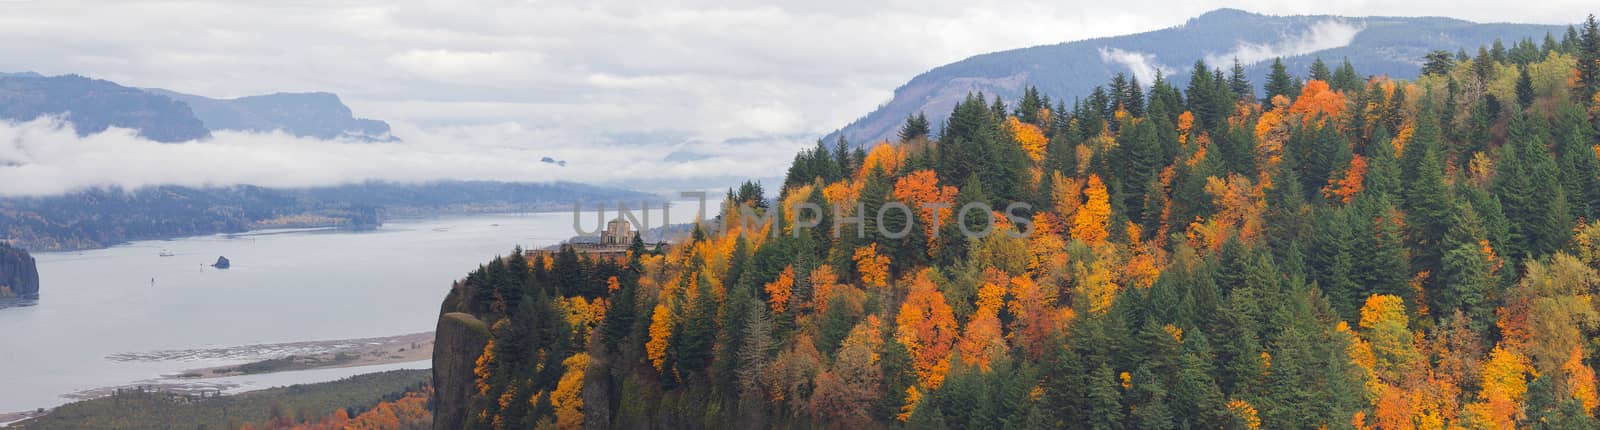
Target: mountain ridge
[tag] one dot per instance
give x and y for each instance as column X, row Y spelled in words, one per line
column 1383, row 45
column 93, row 105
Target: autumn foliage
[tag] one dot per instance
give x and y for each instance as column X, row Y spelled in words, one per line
column 1347, row 252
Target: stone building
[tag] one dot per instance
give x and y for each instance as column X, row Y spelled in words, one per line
column 618, row 232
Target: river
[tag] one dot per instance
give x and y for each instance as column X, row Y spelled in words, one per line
column 284, row 286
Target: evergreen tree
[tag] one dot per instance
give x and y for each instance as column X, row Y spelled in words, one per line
column 1320, row 71
column 1524, row 88
column 1438, row 62
column 916, row 126
column 1527, row 186
column 1279, row 83
column 1427, row 202
column 1240, row 84
column 1588, row 53
column 1134, row 100
column 1580, row 171
column 1464, row 273
column 1346, row 79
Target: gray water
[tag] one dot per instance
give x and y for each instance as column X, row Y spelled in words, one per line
column 284, row 286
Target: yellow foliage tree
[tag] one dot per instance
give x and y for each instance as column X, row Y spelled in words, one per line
column 1090, row 221
column 1030, row 137
column 660, row 330
column 874, row 268
column 567, row 399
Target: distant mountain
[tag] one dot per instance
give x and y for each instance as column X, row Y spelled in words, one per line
column 319, row 115
column 97, row 218
column 92, row 105
column 1392, row 46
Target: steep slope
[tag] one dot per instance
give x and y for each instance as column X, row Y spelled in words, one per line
column 1392, row 46
column 18, row 275
column 320, row 115
column 93, row 105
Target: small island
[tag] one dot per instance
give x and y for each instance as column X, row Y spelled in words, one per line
column 222, row 263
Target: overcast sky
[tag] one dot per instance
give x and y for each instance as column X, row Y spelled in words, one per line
column 564, row 77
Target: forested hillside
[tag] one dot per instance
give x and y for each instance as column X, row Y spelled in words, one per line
column 1339, row 252
column 1382, row 45
column 101, row 217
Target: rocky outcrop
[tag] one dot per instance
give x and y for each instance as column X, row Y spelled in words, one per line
column 19, row 277
column 458, row 341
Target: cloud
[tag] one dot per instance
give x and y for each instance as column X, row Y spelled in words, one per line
column 1323, row 35
column 1143, row 66
column 43, row 157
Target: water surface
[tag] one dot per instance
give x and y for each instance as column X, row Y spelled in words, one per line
column 284, row 286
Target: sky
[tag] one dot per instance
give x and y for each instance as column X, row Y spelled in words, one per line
column 629, row 93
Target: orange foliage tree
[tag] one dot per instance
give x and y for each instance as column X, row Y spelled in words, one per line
column 1347, row 187
column 874, row 268
column 1317, row 102
column 921, row 191
column 1090, row 221
column 927, row 327
column 780, row 290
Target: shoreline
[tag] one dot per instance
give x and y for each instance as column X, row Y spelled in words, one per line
column 331, row 354
column 307, row 355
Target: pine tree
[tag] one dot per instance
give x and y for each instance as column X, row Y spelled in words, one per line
column 1531, row 194
column 1438, row 62
column 1580, row 171
column 1140, row 159
column 1240, row 84
column 1427, row 202
column 1464, row 282
column 1346, row 79
column 1588, row 53
column 916, row 126
column 1135, row 97
column 1320, row 71
column 1524, row 88
column 1105, row 407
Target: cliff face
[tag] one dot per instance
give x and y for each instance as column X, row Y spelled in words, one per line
column 458, row 341
column 18, row 275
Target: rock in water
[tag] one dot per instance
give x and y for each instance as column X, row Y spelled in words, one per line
column 18, row 275
column 222, row 262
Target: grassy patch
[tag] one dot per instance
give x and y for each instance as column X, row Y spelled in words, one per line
column 155, row 410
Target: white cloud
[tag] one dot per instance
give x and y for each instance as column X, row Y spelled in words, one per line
column 42, row 157
column 1142, row 65
column 1323, row 35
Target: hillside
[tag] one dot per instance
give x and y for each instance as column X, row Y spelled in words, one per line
column 93, row 105
column 1392, row 46
column 318, row 115
column 104, row 217
column 1351, row 253
column 394, row 399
